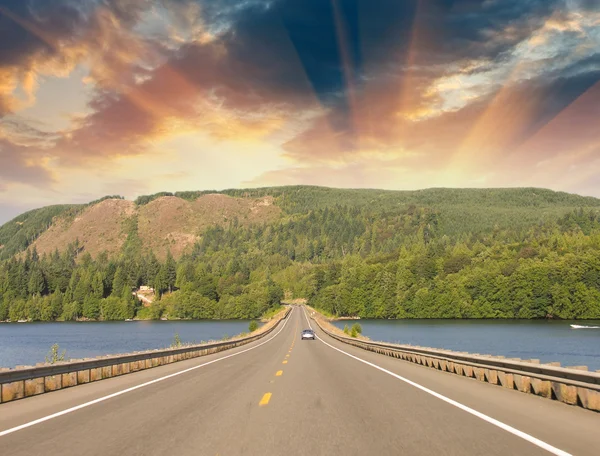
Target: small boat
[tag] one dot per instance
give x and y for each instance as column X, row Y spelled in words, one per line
column 21, row 321
column 584, row 327
column 129, row 319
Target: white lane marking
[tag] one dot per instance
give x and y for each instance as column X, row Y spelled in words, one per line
column 489, row 419
column 133, row 388
column 307, row 320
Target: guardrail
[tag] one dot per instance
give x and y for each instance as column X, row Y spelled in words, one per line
column 573, row 386
column 30, row 381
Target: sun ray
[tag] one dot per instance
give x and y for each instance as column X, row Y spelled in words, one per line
column 47, row 38
column 505, row 119
column 348, row 65
column 569, row 133
column 416, row 40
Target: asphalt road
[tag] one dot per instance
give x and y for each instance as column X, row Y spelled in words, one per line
column 284, row 396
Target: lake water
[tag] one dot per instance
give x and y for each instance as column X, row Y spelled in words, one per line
column 526, row 339
column 28, row 343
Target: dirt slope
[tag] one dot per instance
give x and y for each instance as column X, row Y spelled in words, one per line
column 176, row 224
column 167, row 223
column 99, row 227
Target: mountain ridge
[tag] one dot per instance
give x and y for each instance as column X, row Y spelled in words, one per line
column 441, row 253
column 175, row 221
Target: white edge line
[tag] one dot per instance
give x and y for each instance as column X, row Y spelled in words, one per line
column 500, row 424
column 133, row 388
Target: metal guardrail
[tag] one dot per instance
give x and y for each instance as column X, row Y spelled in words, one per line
column 31, row 373
column 574, row 377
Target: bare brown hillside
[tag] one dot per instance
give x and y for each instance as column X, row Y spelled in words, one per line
column 176, row 224
column 99, row 227
column 167, row 223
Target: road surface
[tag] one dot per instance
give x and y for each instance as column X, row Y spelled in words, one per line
column 284, row 396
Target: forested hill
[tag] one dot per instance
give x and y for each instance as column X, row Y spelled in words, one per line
column 110, row 219
column 470, row 253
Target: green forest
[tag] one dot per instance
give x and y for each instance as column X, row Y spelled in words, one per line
column 439, row 253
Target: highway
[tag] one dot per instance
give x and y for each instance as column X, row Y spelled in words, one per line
column 284, row 396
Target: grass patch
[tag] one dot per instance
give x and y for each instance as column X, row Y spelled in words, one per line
column 271, row 313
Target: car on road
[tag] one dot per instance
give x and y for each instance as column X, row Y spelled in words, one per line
column 308, row 334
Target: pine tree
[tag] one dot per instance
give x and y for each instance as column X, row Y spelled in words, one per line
column 170, row 271
column 37, row 282
column 119, row 281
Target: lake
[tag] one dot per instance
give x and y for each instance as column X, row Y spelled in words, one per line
column 28, row 343
column 546, row 340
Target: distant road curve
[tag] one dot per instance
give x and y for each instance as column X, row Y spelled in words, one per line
column 282, row 395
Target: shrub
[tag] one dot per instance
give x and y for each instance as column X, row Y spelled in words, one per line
column 357, row 328
column 53, row 355
column 176, row 341
column 346, row 329
column 253, row 326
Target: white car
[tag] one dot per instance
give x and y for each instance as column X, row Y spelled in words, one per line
column 308, row 334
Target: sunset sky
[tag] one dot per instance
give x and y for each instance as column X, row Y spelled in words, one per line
column 133, row 97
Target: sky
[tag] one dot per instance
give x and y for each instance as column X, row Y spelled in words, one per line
column 132, row 97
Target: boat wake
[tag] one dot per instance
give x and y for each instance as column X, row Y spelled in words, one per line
column 584, row 327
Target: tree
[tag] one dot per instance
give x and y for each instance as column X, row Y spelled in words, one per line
column 170, row 271
column 37, row 282
column 98, row 285
column 91, row 307
column 119, row 281
column 160, row 281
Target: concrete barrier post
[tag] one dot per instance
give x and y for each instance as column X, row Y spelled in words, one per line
column 522, row 383
column 53, row 382
column 506, row 380
column 69, row 379
column 34, row 386
column 491, row 376
column 12, row 391
column 83, row 376
column 116, row 370
column 479, row 373
column 565, row 393
column 95, row 374
column 541, row 388
column 589, row 399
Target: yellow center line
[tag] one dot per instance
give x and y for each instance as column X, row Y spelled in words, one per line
column 278, row 373
column 285, row 362
column 265, row 399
